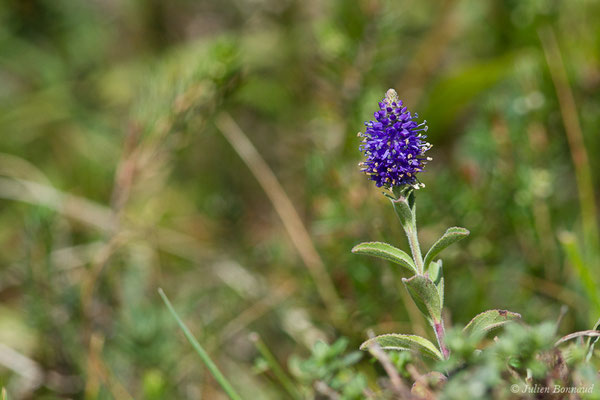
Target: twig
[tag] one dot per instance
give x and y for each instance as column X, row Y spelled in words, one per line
column 553, row 290
column 285, row 209
column 96, row 215
column 397, row 384
column 30, row 371
column 325, row 390
column 258, row 309
column 74, row 207
column 97, row 367
column 563, row 311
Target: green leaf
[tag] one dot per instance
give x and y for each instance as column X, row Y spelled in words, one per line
column 425, row 295
column 436, row 274
column 387, row 252
column 452, row 235
column 489, row 320
column 435, row 271
column 395, row 341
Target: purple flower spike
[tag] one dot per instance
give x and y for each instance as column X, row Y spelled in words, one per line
column 394, row 145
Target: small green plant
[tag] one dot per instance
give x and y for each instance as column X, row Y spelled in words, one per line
column 394, row 146
column 330, row 370
column 524, row 361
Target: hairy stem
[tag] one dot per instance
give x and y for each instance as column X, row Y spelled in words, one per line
column 415, row 249
column 440, row 334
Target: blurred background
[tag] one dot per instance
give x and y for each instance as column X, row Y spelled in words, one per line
column 209, row 148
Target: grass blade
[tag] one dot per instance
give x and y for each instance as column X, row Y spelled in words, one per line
column 279, row 373
column 227, row 388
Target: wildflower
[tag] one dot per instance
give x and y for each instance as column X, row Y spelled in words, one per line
column 394, row 145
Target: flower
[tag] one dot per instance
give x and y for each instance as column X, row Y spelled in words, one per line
column 394, row 145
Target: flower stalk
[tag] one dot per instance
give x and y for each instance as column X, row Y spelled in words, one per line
column 440, row 335
column 394, row 147
column 413, row 242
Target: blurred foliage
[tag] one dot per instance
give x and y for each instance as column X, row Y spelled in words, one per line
column 522, row 362
column 115, row 180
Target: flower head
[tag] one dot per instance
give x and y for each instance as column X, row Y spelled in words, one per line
column 394, row 145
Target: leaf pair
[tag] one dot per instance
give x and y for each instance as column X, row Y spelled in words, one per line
column 479, row 325
column 394, row 254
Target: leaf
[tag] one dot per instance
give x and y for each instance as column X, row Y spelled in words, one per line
column 425, row 295
column 387, row 252
column 575, row 335
column 452, row 235
column 426, row 386
column 488, row 320
column 396, row 341
column 435, row 271
column 436, row 274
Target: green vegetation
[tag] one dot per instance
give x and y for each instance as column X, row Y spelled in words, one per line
column 209, row 148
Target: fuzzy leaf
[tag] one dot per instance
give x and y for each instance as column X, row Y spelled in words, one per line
column 395, row 341
column 387, row 252
column 425, row 295
column 452, row 235
column 489, row 320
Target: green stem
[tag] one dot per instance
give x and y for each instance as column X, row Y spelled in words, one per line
column 229, row 390
column 440, row 335
column 406, row 211
column 415, row 248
